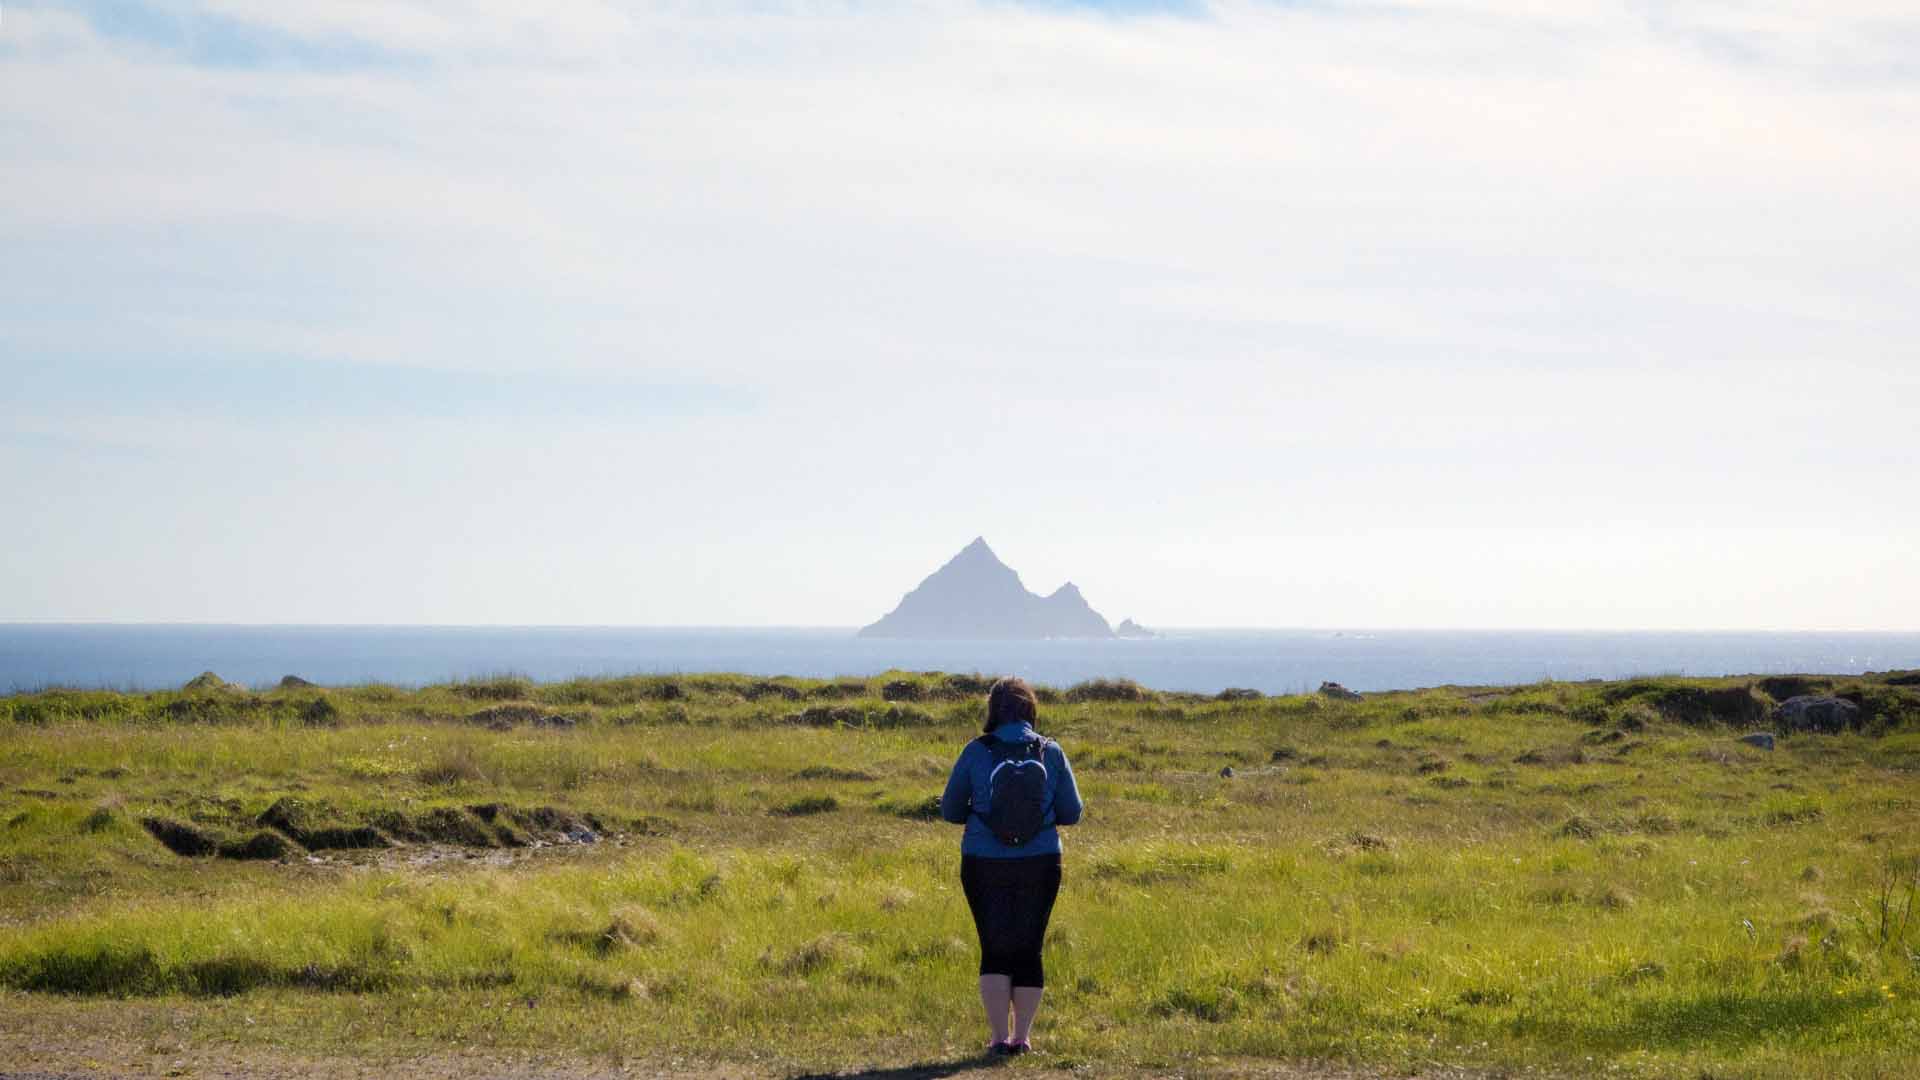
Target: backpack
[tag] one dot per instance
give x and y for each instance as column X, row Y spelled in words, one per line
column 1016, row 790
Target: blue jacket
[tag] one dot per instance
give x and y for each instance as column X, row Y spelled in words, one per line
column 967, row 788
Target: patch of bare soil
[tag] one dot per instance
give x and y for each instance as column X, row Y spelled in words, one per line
column 48, row 1039
column 295, row 830
column 451, row 857
column 109, row 1062
column 126, row 1040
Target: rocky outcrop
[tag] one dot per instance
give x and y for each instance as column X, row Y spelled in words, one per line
column 1815, row 713
column 975, row 595
column 1338, row 693
column 1130, row 629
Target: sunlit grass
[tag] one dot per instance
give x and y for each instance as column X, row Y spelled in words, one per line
column 1560, row 876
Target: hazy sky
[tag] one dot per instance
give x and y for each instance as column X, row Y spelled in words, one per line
column 1472, row 313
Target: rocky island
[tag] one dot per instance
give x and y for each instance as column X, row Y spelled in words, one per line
column 975, row 595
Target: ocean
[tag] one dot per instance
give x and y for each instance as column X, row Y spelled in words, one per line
column 142, row 657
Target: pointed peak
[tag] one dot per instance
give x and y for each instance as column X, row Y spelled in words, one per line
column 1069, row 589
column 977, row 550
column 976, row 562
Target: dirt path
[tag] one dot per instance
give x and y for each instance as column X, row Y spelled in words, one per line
column 91, row 1061
column 254, row 1065
column 41, row 1039
column 437, row 1069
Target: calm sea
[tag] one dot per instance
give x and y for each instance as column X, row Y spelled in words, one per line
column 34, row 656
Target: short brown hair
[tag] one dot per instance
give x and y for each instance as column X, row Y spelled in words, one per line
column 1011, row 701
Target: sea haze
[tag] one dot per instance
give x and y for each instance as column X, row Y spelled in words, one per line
column 33, row 656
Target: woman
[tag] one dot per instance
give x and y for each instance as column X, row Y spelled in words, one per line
column 1010, row 854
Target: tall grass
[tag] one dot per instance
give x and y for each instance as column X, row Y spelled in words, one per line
column 1559, row 876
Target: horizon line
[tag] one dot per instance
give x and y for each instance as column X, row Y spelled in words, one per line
column 1158, row 628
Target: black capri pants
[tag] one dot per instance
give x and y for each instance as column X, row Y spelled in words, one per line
column 1011, row 900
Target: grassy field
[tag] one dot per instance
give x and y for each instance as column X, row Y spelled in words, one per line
column 1592, row 878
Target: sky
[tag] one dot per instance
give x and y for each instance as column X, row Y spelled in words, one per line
column 1461, row 314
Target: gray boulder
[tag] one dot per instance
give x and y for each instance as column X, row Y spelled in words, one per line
column 1817, row 713
column 1761, row 739
column 1337, row 692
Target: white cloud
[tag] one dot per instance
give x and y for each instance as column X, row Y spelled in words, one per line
column 1468, row 277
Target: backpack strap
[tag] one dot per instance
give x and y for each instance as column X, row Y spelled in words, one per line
column 1038, row 744
column 1035, row 748
column 988, row 743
